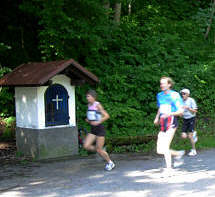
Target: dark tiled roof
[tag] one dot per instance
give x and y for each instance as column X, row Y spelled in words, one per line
column 36, row 74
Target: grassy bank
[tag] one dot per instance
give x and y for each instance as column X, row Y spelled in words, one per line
column 145, row 144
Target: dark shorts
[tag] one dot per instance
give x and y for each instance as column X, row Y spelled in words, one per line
column 167, row 123
column 188, row 125
column 98, row 130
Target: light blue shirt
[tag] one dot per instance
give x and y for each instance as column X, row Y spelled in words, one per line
column 190, row 102
column 169, row 102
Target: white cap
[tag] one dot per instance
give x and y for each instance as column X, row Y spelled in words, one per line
column 186, row 91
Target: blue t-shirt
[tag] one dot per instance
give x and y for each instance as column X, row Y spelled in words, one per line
column 169, row 102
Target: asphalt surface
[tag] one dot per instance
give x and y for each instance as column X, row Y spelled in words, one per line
column 135, row 175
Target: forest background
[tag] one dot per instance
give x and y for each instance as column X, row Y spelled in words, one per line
column 129, row 45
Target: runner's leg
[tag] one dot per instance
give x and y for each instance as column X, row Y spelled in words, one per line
column 192, row 141
column 163, row 143
column 90, row 138
column 100, row 140
column 184, row 135
column 168, row 154
column 174, row 152
column 190, row 134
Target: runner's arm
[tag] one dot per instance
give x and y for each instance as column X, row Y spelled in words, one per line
column 104, row 113
column 192, row 110
column 177, row 113
column 156, row 121
column 193, row 107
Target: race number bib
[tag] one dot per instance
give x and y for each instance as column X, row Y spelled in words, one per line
column 165, row 109
column 91, row 115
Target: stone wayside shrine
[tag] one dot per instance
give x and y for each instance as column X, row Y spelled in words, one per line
column 45, row 106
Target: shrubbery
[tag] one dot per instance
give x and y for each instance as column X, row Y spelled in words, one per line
column 159, row 38
column 131, row 63
column 7, row 129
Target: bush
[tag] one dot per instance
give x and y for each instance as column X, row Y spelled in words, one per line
column 7, row 129
column 130, row 65
column 158, row 38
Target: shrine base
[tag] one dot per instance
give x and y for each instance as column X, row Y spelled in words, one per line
column 47, row 143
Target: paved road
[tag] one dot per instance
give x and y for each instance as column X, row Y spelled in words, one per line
column 135, row 176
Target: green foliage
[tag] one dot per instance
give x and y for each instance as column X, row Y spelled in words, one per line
column 158, row 38
column 19, row 33
column 83, row 152
column 10, row 121
column 203, row 18
column 146, row 147
column 205, row 132
column 6, row 102
column 4, row 47
column 7, row 129
column 132, row 65
column 68, row 27
column 19, row 154
column 6, row 97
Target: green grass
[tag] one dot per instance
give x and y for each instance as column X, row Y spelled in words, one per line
column 206, row 140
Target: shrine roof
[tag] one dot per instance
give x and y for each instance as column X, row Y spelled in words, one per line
column 39, row 73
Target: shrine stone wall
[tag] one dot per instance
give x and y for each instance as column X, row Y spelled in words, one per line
column 47, row 143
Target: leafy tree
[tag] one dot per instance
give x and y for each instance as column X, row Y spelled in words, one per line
column 155, row 38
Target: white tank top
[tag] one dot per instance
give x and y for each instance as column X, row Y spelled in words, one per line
column 92, row 113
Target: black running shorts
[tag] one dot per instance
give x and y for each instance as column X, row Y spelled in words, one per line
column 98, row 130
column 188, row 125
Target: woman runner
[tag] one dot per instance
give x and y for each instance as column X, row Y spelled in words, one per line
column 96, row 115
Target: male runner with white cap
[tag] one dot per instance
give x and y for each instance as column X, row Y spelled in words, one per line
column 189, row 115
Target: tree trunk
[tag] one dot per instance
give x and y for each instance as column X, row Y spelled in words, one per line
column 117, row 11
column 211, row 19
column 129, row 9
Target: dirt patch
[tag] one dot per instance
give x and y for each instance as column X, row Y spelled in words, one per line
column 7, row 151
column 8, row 154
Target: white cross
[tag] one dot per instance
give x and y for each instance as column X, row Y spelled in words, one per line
column 57, row 100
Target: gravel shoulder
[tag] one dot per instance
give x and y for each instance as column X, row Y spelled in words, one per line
column 135, row 175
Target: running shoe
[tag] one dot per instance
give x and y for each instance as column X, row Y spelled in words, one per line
column 177, row 163
column 109, row 166
column 167, row 172
column 181, row 153
column 192, row 152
